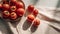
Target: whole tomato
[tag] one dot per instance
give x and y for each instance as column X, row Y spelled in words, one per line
column 6, row 6
column 13, row 2
column 20, row 12
column 5, row 1
column 30, row 18
column 19, row 5
column 13, row 16
column 13, row 8
column 30, row 8
column 5, row 14
column 35, row 12
column 36, row 22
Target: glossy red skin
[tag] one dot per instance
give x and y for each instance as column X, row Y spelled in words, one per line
column 13, row 16
column 20, row 12
column 19, row 5
column 5, row 14
column 0, row 5
column 13, row 2
column 35, row 12
column 30, row 8
column 36, row 22
column 6, row 6
column 5, row 2
column 30, row 18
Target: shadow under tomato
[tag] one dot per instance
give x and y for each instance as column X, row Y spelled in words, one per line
column 15, row 22
column 26, row 25
column 33, row 28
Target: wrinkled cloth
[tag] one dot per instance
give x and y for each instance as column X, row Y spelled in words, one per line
column 47, row 8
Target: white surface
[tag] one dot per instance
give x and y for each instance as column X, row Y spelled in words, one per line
column 43, row 28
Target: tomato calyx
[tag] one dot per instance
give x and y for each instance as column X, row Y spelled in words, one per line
column 13, row 16
column 6, row 14
column 13, row 8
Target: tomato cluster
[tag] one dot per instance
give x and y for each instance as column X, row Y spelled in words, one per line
column 31, row 9
column 12, row 9
column 33, row 13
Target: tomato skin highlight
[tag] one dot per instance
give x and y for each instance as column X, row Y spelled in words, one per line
column 13, row 1
column 36, row 22
column 6, row 6
column 0, row 5
column 35, row 12
column 30, row 18
column 30, row 8
column 19, row 5
column 20, row 12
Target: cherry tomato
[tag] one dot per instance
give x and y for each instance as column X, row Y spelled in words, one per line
column 13, row 16
column 0, row 5
column 5, row 1
column 35, row 12
column 36, row 22
column 6, row 6
column 30, row 18
column 5, row 14
column 13, row 2
column 20, row 12
column 30, row 8
column 19, row 5
column 13, row 8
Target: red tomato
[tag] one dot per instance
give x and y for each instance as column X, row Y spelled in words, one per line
column 5, row 1
column 20, row 12
column 6, row 6
column 30, row 8
column 30, row 18
column 0, row 5
column 13, row 8
column 13, row 2
column 36, row 22
column 35, row 12
column 19, row 5
column 13, row 16
column 5, row 14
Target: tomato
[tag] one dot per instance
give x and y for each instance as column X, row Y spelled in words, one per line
column 30, row 18
column 36, row 22
column 5, row 14
column 5, row 1
column 19, row 5
column 6, row 6
column 13, row 8
column 13, row 2
column 20, row 12
column 30, row 8
column 0, row 5
column 35, row 12
column 13, row 16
